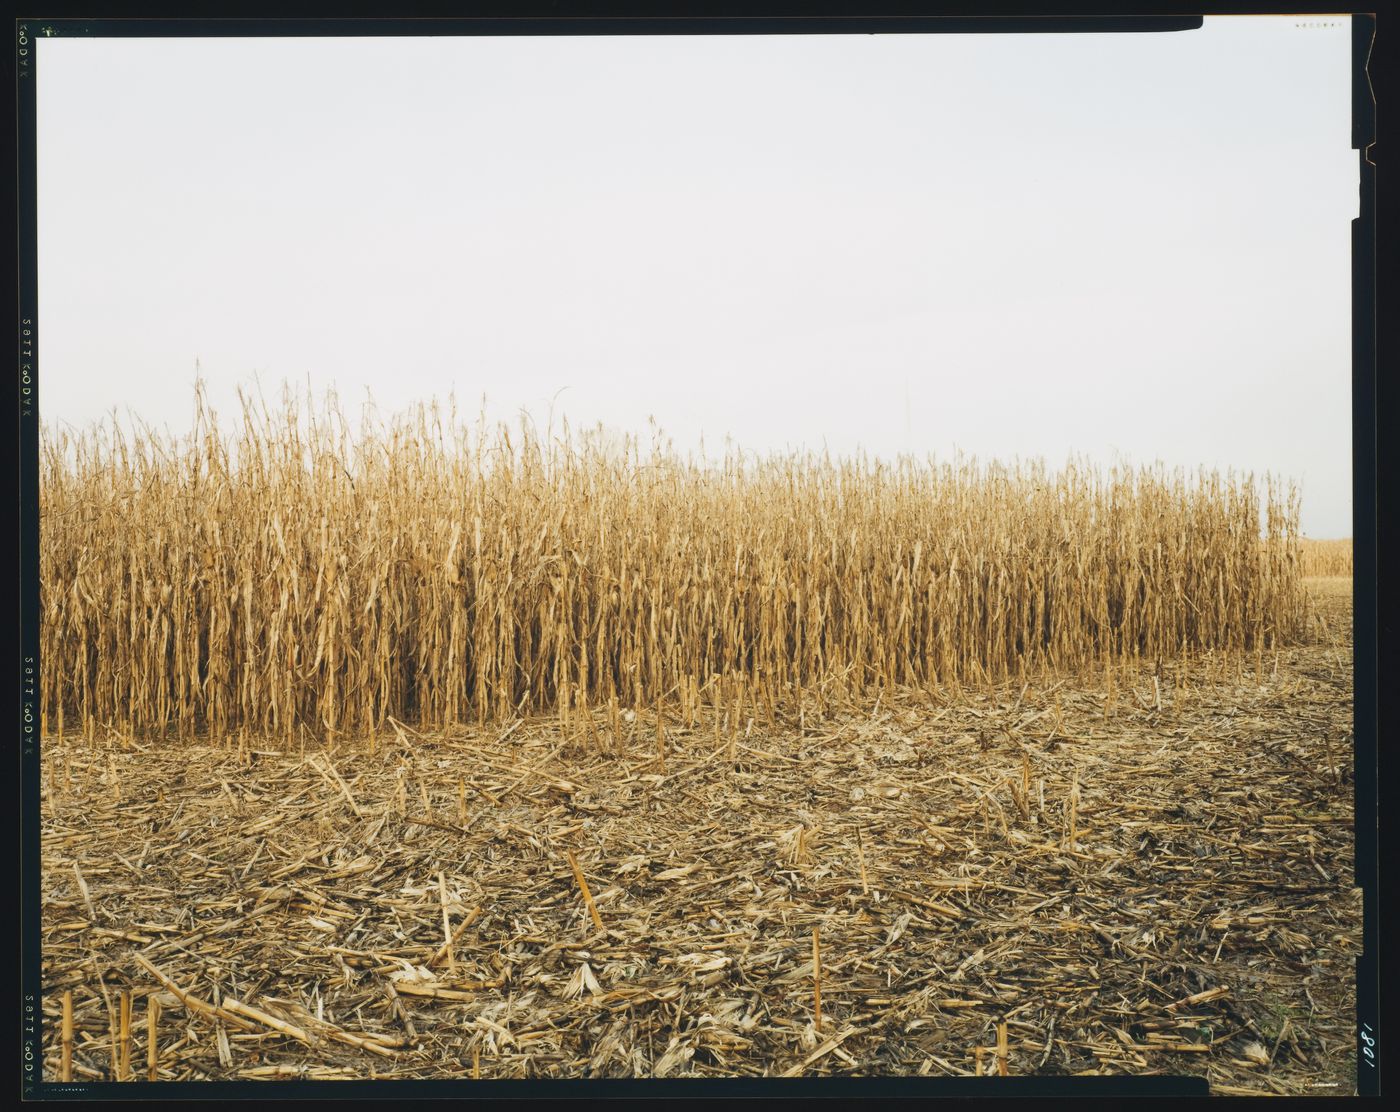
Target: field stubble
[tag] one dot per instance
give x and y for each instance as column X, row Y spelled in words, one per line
column 1135, row 868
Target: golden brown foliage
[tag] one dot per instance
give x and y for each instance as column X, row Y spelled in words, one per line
column 1326, row 558
column 293, row 575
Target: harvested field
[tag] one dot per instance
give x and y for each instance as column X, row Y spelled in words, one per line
column 1145, row 869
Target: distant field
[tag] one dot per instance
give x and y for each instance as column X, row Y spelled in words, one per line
column 1326, row 558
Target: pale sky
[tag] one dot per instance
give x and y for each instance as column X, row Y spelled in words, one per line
column 1128, row 247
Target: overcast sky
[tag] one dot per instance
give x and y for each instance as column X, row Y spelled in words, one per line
column 1134, row 247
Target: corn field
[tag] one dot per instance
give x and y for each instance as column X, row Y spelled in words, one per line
column 291, row 577
column 1326, row 558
